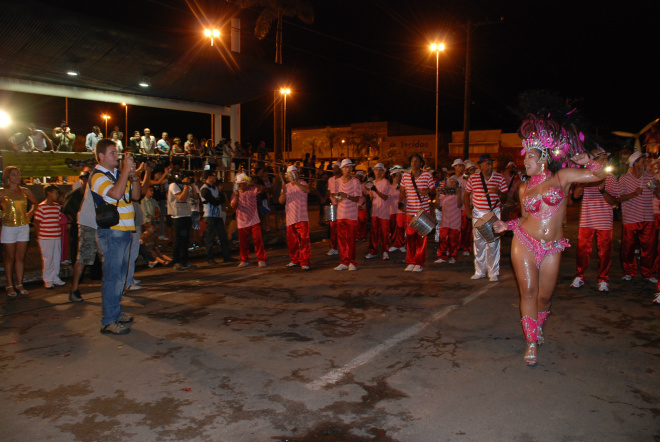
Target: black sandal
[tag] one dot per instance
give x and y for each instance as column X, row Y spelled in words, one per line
column 22, row 291
column 11, row 292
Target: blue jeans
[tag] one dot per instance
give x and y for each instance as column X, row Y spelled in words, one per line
column 114, row 246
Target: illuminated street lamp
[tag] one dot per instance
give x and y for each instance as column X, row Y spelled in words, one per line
column 437, row 48
column 212, row 33
column 284, row 91
column 126, row 122
column 5, row 119
column 106, row 118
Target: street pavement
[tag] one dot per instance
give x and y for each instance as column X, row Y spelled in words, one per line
column 219, row 353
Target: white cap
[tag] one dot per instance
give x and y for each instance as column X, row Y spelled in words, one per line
column 634, row 157
column 510, row 163
column 292, row 169
column 346, row 162
column 242, row 178
column 395, row 170
column 359, row 172
column 469, row 164
column 444, row 169
column 379, row 166
column 337, row 164
column 457, row 162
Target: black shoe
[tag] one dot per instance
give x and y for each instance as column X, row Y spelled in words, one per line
column 212, row 261
column 230, row 259
column 187, row 266
column 74, row 296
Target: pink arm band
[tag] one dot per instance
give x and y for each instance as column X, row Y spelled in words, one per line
column 510, row 225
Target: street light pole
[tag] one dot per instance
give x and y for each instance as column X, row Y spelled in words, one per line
column 285, row 92
column 126, row 122
column 437, row 47
column 106, row 118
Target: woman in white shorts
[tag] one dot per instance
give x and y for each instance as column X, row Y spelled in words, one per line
column 15, row 228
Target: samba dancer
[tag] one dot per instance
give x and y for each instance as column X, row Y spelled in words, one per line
column 416, row 185
column 294, row 197
column 379, row 192
column 538, row 239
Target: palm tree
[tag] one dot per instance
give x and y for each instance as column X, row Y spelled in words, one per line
column 367, row 140
column 331, row 134
column 272, row 10
column 313, row 143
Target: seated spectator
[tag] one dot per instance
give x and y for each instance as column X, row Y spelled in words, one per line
column 149, row 249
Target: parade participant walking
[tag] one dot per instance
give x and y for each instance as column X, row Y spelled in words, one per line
column 486, row 191
column 397, row 216
column 109, row 186
column 47, row 228
column 466, row 223
column 347, row 197
column 417, row 185
column 639, row 227
column 596, row 217
column 15, row 228
column 363, row 214
column 244, row 201
column 538, row 235
column 379, row 192
column 294, row 197
column 450, row 223
column 333, row 188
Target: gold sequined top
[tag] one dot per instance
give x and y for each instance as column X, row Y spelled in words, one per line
column 14, row 210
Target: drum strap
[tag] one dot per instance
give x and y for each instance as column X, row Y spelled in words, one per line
column 483, row 181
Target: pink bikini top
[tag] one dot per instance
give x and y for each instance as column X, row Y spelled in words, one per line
column 552, row 197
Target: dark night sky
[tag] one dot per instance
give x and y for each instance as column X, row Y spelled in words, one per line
column 368, row 60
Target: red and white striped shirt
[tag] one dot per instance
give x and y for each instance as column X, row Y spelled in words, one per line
column 479, row 200
column 380, row 208
column 424, row 181
column 394, row 200
column 296, row 204
column 596, row 213
column 640, row 208
column 49, row 220
column 347, row 209
column 451, row 214
column 246, row 211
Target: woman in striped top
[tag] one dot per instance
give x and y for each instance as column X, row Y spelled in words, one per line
column 347, row 197
column 538, row 234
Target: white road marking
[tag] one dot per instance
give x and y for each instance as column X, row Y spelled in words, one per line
column 336, row 374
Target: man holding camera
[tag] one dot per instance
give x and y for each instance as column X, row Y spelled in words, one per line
column 63, row 138
column 109, row 186
column 180, row 191
column 213, row 201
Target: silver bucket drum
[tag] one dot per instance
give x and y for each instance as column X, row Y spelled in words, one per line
column 422, row 222
column 330, row 212
column 485, row 227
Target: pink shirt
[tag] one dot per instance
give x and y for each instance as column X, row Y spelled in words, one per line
column 347, row 209
column 451, row 214
column 296, row 204
column 640, row 208
column 246, row 211
column 380, row 208
column 595, row 212
column 333, row 185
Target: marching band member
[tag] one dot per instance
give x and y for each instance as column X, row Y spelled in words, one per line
column 450, row 223
column 379, row 193
column 294, row 197
column 397, row 216
column 347, row 197
column 363, row 215
column 244, row 201
column 596, row 217
column 333, row 188
column 417, row 185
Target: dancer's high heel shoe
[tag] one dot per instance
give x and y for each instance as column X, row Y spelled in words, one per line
column 530, row 354
column 542, row 317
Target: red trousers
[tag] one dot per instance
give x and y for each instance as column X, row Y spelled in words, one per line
column 583, row 252
column 466, row 233
column 448, row 242
column 415, row 245
column 362, row 224
column 297, row 240
column 380, row 234
column 333, row 234
column 244, row 243
column 643, row 236
column 346, row 231
column 398, row 229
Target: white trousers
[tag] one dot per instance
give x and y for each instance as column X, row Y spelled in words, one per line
column 486, row 254
column 51, row 254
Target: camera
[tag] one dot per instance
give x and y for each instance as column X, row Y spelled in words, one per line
column 153, row 161
column 182, row 177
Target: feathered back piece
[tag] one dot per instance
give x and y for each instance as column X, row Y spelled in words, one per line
column 549, row 126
